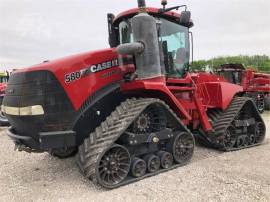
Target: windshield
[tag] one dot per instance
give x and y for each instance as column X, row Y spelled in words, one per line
column 174, row 40
column 125, row 32
column 175, row 43
column 232, row 76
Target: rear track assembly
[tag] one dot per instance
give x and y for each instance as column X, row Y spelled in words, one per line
column 239, row 127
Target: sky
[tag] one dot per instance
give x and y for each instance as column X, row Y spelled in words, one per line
column 32, row 31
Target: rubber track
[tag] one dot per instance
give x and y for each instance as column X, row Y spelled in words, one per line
column 109, row 131
column 227, row 117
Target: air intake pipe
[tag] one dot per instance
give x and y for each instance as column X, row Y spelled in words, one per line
column 146, row 46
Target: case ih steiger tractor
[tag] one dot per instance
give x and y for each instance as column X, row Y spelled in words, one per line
column 130, row 111
column 255, row 85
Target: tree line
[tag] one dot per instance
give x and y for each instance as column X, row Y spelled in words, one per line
column 257, row 62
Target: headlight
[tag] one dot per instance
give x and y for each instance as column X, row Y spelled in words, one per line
column 23, row 111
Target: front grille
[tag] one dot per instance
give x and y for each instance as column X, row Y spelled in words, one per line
column 38, row 88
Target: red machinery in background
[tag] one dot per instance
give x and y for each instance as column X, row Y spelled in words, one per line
column 255, row 85
column 130, row 111
column 4, row 76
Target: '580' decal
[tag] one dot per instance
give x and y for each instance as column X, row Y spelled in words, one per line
column 73, row 76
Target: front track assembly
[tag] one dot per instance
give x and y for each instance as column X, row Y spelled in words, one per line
column 141, row 138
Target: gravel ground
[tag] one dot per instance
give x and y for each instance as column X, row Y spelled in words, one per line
column 211, row 176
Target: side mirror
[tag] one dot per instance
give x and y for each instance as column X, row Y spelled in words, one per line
column 185, row 18
column 111, row 30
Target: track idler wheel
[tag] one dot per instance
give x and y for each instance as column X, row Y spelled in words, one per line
column 138, row 167
column 166, row 159
column 152, row 162
column 113, row 166
column 252, row 139
column 182, row 147
column 246, row 141
column 240, row 141
column 230, row 138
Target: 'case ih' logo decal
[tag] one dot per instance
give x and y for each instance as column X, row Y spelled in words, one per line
column 73, row 76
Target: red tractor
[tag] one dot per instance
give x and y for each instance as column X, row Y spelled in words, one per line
column 130, row 111
column 4, row 76
column 255, row 85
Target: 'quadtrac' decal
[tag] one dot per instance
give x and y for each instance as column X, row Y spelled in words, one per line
column 73, row 76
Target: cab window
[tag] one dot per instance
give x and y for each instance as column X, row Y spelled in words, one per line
column 174, row 40
column 175, row 43
column 125, row 32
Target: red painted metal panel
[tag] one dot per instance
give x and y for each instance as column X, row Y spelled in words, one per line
column 79, row 90
column 228, row 91
column 157, row 84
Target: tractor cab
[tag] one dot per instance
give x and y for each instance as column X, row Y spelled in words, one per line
column 232, row 72
column 173, row 36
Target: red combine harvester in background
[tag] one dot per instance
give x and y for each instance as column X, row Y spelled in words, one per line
column 255, row 85
column 4, row 76
column 130, row 111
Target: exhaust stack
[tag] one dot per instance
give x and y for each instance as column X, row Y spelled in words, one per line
column 146, row 46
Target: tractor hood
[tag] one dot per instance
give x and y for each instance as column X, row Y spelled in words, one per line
column 72, row 63
column 79, row 75
column 51, row 94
